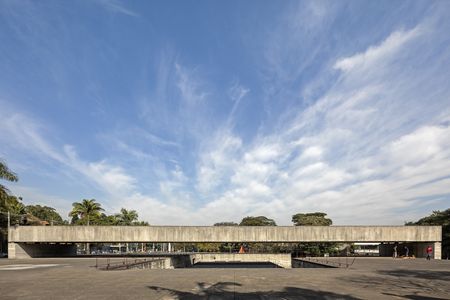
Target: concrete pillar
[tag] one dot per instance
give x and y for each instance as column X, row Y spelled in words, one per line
column 437, row 250
column 12, row 250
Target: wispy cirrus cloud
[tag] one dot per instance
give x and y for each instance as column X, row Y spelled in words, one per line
column 26, row 134
column 337, row 111
column 117, row 6
column 379, row 53
column 351, row 152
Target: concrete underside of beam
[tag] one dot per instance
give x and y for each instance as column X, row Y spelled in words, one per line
column 29, row 250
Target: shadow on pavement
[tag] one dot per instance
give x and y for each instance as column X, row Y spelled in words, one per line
column 414, row 297
column 423, row 274
column 225, row 290
column 407, row 284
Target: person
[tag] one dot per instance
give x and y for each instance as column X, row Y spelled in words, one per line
column 429, row 251
column 406, row 251
column 394, row 255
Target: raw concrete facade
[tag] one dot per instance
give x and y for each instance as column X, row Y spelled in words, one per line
column 237, row 234
column 193, row 234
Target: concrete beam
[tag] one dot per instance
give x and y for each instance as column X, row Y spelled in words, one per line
column 193, row 234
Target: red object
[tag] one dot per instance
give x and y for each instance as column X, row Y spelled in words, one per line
column 429, row 249
column 242, row 250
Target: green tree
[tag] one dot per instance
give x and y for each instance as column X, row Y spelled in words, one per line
column 5, row 174
column 106, row 220
column 228, row 247
column 311, row 219
column 45, row 213
column 82, row 212
column 15, row 207
column 438, row 218
column 257, row 221
column 141, row 223
column 226, row 224
column 86, row 210
column 8, row 203
column 127, row 217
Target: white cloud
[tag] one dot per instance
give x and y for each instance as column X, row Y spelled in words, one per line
column 33, row 196
column 189, row 85
column 237, row 92
column 376, row 142
column 216, row 159
column 367, row 149
column 378, row 54
column 23, row 132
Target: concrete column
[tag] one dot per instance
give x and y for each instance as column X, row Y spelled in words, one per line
column 12, row 250
column 437, row 250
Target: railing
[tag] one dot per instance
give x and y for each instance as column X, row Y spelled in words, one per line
column 330, row 262
column 127, row 264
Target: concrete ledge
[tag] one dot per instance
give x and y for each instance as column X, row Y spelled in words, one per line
column 283, row 260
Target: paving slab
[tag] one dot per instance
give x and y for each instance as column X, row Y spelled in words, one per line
column 366, row 278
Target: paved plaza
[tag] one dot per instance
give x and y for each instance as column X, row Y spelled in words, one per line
column 367, row 278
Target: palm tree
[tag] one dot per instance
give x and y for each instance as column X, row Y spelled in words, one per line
column 127, row 217
column 6, row 174
column 86, row 209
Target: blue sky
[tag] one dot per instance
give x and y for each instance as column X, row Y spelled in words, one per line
column 195, row 112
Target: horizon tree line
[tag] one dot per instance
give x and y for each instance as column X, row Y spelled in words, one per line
column 90, row 212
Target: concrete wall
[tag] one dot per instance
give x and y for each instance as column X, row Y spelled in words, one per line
column 192, row 234
column 181, row 261
column 283, row 260
column 23, row 250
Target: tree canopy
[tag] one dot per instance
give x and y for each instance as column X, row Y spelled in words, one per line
column 257, row 221
column 439, row 218
column 86, row 210
column 311, row 219
column 226, row 224
column 45, row 213
column 6, row 174
column 126, row 217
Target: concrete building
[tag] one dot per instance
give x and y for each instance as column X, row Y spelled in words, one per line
column 35, row 241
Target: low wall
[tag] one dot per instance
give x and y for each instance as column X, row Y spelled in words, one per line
column 180, row 261
column 283, row 260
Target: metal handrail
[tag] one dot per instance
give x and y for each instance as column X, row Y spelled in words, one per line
column 125, row 264
column 331, row 263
